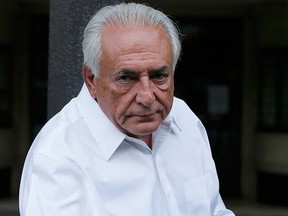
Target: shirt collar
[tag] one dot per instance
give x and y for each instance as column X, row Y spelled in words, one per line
column 106, row 135
column 171, row 120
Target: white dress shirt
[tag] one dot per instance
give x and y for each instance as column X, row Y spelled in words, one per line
column 80, row 164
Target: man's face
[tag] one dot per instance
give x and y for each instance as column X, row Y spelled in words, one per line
column 135, row 87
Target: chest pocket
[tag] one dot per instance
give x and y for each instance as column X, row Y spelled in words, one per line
column 197, row 195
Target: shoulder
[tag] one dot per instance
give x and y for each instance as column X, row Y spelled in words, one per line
column 54, row 132
column 182, row 112
column 187, row 119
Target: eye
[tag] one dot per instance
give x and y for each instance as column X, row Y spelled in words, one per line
column 159, row 76
column 124, row 79
column 126, row 76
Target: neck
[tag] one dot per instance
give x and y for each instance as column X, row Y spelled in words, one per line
column 147, row 139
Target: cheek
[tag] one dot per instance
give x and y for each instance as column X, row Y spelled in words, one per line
column 172, row 88
column 107, row 99
column 106, row 91
column 167, row 89
column 117, row 104
column 167, row 96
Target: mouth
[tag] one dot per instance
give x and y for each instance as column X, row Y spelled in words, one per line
column 143, row 114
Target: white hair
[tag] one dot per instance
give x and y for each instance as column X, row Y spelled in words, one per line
column 125, row 14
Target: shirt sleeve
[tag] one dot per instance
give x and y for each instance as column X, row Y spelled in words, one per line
column 217, row 205
column 59, row 187
column 221, row 210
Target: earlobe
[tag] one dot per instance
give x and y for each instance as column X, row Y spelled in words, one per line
column 89, row 79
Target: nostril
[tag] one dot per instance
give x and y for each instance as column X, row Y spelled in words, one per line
column 145, row 97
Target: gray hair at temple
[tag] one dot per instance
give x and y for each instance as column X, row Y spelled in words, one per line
column 125, row 14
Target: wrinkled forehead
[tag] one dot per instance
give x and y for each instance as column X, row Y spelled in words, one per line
column 140, row 28
column 142, row 46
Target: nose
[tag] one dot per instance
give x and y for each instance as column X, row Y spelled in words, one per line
column 145, row 94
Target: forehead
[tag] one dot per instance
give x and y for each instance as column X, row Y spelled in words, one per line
column 141, row 42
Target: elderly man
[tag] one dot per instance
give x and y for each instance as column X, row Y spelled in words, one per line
column 125, row 146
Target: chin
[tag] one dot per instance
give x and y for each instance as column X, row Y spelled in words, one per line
column 137, row 128
column 145, row 131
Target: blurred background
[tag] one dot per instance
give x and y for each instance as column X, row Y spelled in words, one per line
column 233, row 73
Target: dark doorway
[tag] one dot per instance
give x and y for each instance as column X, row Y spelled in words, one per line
column 208, row 77
column 39, row 33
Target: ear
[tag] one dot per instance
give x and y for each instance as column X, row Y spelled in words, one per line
column 89, row 79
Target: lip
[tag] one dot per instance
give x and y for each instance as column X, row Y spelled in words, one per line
column 142, row 115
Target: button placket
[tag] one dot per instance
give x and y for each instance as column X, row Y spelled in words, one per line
column 166, row 187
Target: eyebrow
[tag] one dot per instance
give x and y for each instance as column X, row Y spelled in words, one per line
column 125, row 71
column 159, row 70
